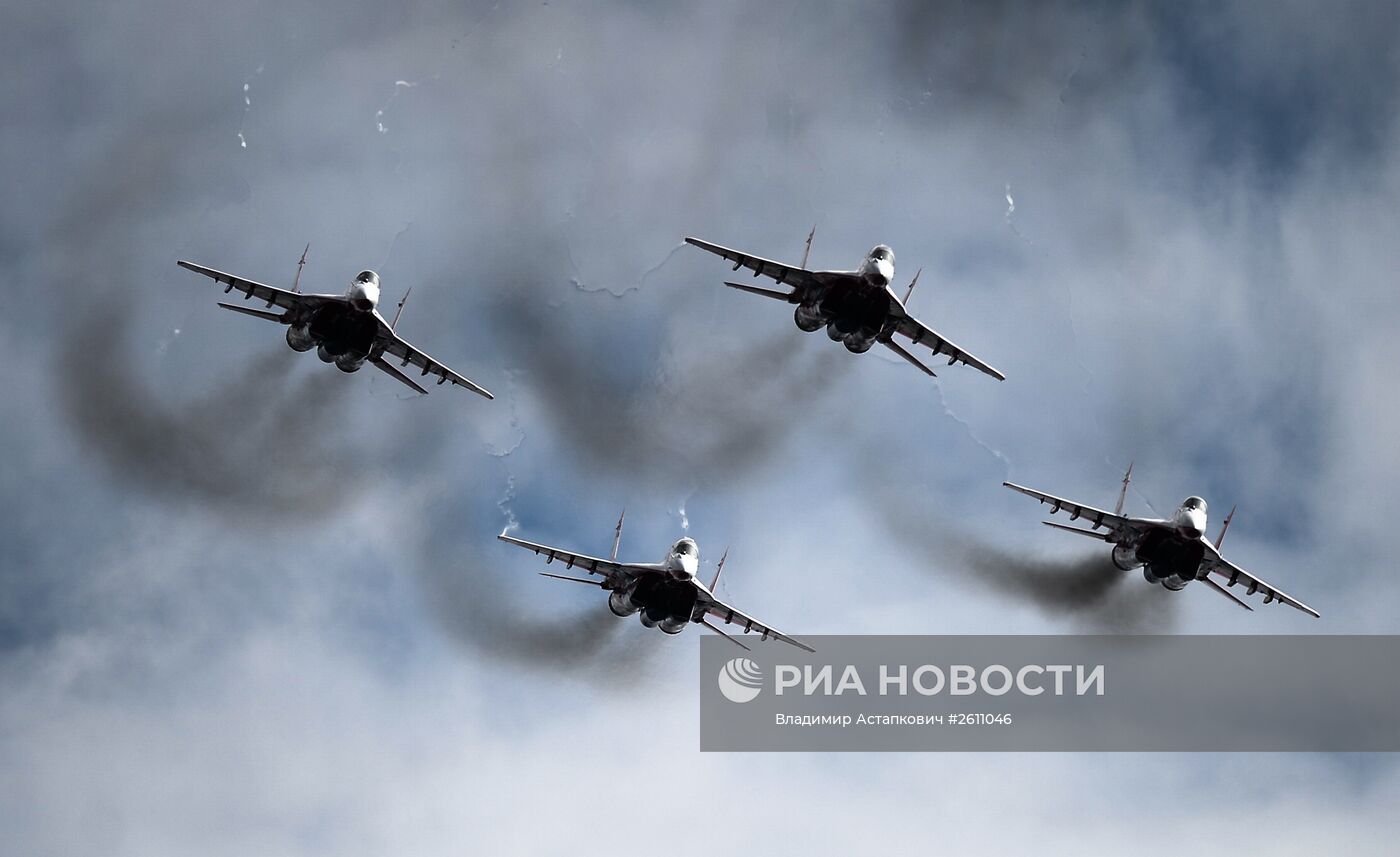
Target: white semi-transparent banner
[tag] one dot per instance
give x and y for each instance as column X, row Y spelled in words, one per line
column 1118, row 693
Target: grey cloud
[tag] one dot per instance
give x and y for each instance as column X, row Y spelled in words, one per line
column 1152, row 294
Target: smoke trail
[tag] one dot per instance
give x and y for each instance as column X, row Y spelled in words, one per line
column 702, row 416
column 257, row 443
column 1089, row 591
column 1093, row 593
column 503, row 610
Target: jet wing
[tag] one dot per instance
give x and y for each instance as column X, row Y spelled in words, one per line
column 718, row 609
column 1096, row 517
column 397, row 346
column 608, row 569
column 922, row 334
column 272, row 295
column 1232, row 574
column 785, row 274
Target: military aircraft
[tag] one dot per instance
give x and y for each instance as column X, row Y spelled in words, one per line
column 1171, row 551
column 666, row 594
column 345, row 329
column 858, row 308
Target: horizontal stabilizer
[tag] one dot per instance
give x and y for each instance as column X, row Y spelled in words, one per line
column 572, row 579
column 713, row 627
column 255, row 313
column 393, row 371
column 789, row 297
column 1228, row 594
column 898, row 349
column 1103, row 537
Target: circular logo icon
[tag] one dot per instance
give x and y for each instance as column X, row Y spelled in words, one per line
column 740, row 680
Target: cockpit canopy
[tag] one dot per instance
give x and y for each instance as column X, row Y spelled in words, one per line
column 883, row 253
column 367, row 277
column 687, row 547
column 1194, row 503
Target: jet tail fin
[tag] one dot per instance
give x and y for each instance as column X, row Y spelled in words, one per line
column 617, row 535
column 398, row 312
column 807, row 252
column 1225, row 526
column 718, row 569
column 255, row 313
column 1123, row 493
column 912, row 283
column 301, row 263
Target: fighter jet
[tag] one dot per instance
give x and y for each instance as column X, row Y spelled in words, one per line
column 858, row 308
column 666, row 594
column 345, row 329
column 1171, row 551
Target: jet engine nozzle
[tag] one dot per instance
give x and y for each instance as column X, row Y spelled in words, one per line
column 621, row 604
column 299, row 337
column 1125, row 557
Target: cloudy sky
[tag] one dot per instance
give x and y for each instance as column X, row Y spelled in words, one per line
column 251, row 605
